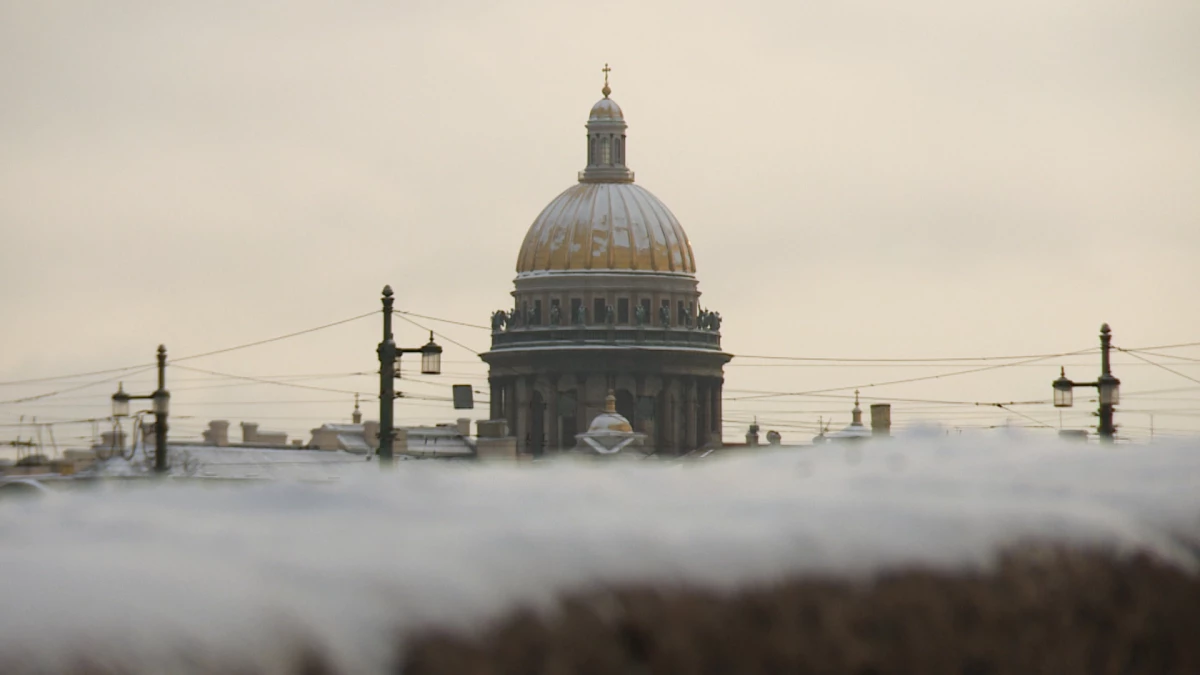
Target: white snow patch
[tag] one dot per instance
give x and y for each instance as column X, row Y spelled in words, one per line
column 244, row 572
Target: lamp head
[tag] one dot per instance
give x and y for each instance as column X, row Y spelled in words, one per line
column 120, row 402
column 1110, row 390
column 1064, row 395
column 431, row 357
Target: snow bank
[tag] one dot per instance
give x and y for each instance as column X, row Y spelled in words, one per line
column 177, row 577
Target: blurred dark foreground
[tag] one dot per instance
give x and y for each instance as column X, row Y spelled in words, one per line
column 1042, row 610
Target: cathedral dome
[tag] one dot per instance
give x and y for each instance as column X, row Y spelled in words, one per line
column 610, row 421
column 606, row 226
column 606, row 109
column 605, row 222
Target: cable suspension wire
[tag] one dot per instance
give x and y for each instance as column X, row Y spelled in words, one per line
column 35, row 397
column 434, row 318
column 270, row 340
column 1180, row 345
column 892, row 399
column 1036, row 421
column 908, row 380
column 946, row 359
column 51, row 378
column 1163, row 356
column 445, row 337
column 1169, row 370
column 251, row 378
column 366, row 395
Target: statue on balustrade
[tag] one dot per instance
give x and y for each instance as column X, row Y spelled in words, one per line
column 499, row 320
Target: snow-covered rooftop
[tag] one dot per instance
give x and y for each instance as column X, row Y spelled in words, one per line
column 243, row 573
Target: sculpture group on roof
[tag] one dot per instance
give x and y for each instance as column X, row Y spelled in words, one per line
column 709, row 320
column 503, row 320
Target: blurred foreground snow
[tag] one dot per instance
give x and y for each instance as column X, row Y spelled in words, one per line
column 167, row 577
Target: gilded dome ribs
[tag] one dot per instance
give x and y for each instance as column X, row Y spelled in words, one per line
column 605, row 221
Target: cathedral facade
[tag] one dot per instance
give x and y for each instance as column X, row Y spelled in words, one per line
column 606, row 300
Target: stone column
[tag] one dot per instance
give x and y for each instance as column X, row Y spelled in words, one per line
column 496, row 394
column 581, row 418
column 521, row 403
column 719, row 407
column 689, row 414
column 552, row 441
column 662, row 417
column 510, row 405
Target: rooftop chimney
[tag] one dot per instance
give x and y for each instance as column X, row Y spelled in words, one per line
column 881, row 419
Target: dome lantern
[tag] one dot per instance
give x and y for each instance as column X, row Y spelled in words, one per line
column 606, row 141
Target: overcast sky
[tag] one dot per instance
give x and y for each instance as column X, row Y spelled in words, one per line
column 930, row 178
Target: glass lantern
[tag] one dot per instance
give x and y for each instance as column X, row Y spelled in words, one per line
column 120, row 402
column 1064, row 394
column 162, row 402
column 431, row 357
column 1110, row 390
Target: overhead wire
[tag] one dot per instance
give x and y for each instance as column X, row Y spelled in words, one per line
column 947, row 359
column 35, row 397
column 251, row 378
column 1136, row 355
column 906, row 380
column 434, row 318
column 445, row 337
column 270, row 340
column 51, row 378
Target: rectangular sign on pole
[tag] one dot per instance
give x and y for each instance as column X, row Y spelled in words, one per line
column 464, row 398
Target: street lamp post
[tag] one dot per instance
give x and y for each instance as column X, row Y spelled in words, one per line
column 389, row 353
column 1108, row 386
column 161, row 399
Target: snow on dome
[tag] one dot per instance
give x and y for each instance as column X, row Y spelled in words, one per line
column 606, row 226
column 606, row 109
column 605, row 222
column 610, row 419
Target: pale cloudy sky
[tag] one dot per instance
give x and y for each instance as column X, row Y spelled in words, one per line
column 858, row 179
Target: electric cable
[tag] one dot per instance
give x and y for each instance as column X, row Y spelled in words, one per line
column 1030, row 357
column 907, row 380
column 275, row 382
column 1169, row 370
column 270, row 340
column 445, row 337
column 36, row 397
column 434, row 318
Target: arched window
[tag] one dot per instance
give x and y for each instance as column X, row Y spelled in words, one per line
column 605, row 151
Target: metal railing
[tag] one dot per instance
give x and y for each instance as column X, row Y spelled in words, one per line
column 651, row 336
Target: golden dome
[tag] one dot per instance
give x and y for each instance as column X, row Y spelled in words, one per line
column 606, row 109
column 606, row 226
column 610, row 420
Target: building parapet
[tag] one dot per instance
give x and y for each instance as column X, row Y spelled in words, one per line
column 536, row 336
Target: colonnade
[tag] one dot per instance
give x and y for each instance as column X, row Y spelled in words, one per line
column 677, row 412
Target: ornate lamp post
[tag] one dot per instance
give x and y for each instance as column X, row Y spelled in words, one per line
column 161, row 407
column 1108, row 386
column 431, row 364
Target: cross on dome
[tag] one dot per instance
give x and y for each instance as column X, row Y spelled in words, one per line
column 606, row 91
